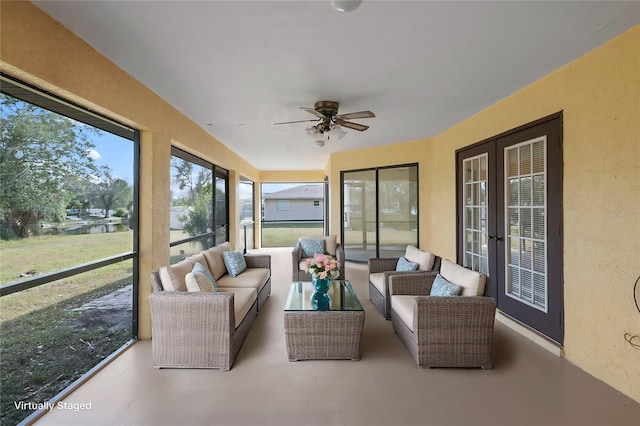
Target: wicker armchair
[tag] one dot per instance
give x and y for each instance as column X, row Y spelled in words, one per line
column 445, row 331
column 387, row 266
column 299, row 272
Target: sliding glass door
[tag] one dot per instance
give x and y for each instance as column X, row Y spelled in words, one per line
column 397, row 210
column 359, row 231
column 379, row 211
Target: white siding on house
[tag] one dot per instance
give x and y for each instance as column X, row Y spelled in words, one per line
column 302, row 202
column 175, row 212
column 298, row 210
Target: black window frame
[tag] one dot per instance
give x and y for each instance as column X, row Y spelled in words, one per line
column 32, row 94
column 46, row 100
column 216, row 172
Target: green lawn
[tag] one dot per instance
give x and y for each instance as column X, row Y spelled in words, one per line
column 46, row 254
column 286, row 235
column 51, row 253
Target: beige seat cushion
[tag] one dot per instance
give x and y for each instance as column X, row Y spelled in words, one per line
column 377, row 279
column 254, row 278
column 215, row 263
column 172, row 277
column 403, row 306
column 472, row 282
column 423, row 258
column 243, row 299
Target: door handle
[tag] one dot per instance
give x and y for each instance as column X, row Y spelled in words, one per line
column 495, row 237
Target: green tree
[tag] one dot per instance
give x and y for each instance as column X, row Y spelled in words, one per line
column 39, row 151
column 110, row 192
column 198, row 218
column 79, row 198
column 188, row 181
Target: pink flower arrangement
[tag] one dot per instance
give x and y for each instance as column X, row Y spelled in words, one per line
column 323, row 266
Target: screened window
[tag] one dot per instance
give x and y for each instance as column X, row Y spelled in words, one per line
column 246, row 198
column 289, row 212
column 198, row 219
column 68, row 236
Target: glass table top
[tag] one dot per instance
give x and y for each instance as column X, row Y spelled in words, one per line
column 341, row 294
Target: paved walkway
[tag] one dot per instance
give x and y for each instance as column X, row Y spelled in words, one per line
column 112, row 311
column 121, row 299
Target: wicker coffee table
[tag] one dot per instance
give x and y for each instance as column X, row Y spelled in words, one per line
column 332, row 334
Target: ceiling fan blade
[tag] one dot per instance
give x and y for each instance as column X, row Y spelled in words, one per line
column 313, row 111
column 291, row 122
column 359, row 114
column 351, row 125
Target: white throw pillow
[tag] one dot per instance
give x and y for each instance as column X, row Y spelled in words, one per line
column 172, row 276
column 198, row 282
column 472, row 282
column 424, row 259
column 331, row 244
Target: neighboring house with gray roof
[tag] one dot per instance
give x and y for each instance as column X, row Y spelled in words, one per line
column 303, row 202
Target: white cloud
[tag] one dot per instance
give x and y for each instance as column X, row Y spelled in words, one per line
column 94, row 155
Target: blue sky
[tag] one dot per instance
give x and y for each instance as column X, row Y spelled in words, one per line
column 116, row 152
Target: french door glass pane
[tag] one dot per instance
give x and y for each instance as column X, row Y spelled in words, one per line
column 525, row 182
column 475, row 213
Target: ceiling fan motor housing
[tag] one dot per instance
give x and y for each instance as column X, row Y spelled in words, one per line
column 327, row 108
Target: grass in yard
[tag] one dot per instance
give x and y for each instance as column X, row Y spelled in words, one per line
column 23, row 302
column 51, row 253
column 286, row 235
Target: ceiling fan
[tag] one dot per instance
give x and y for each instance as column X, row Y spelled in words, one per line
column 330, row 123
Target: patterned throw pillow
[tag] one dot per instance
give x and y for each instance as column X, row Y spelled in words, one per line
column 404, row 265
column 311, row 247
column 444, row 288
column 234, row 261
column 199, row 268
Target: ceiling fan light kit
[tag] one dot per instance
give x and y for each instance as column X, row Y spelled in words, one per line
column 329, row 123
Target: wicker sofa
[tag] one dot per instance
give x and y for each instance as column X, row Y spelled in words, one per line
column 205, row 329
column 382, row 268
column 452, row 331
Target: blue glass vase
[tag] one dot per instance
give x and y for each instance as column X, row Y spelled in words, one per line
column 320, row 300
column 321, row 285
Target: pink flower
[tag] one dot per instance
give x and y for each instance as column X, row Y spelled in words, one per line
column 322, row 266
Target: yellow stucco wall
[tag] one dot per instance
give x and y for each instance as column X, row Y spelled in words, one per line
column 599, row 94
column 38, row 50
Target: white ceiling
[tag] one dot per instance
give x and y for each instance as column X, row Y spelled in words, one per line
column 237, row 67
